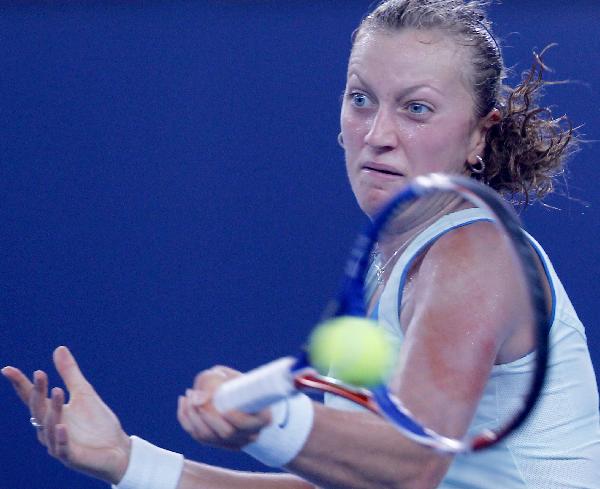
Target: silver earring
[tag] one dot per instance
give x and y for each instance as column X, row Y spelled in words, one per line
column 479, row 167
column 340, row 140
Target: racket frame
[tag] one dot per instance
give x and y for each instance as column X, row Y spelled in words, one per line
column 283, row 377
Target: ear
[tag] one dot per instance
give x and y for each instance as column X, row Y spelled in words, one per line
column 477, row 143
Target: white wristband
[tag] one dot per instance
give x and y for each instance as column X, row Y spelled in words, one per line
column 151, row 467
column 282, row 440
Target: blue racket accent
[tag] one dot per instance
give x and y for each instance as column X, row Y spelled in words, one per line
column 351, row 301
column 302, row 362
column 395, row 413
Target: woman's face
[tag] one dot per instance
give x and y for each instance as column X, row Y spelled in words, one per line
column 407, row 111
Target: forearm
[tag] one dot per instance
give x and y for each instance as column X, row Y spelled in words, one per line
column 344, row 450
column 202, row 476
column 360, row 450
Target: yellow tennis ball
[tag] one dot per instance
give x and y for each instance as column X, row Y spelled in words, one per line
column 352, row 349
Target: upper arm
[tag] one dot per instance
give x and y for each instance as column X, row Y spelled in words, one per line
column 457, row 323
column 465, row 304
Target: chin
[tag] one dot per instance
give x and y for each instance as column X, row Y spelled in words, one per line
column 373, row 201
column 372, row 207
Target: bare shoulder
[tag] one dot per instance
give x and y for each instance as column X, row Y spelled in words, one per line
column 469, row 283
column 470, row 256
column 477, row 242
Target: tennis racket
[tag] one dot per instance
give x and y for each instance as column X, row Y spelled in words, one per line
column 415, row 207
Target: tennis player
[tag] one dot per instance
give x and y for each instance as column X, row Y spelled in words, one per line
column 424, row 93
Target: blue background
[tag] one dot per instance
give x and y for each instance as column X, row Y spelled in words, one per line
column 172, row 195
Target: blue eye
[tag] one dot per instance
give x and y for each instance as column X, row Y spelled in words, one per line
column 359, row 99
column 417, row 108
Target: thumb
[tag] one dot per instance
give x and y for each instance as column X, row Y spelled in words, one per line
column 69, row 371
column 210, row 380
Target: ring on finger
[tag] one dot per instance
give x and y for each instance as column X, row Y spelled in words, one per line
column 36, row 424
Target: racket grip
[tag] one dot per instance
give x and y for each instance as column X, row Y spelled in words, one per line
column 258, row 388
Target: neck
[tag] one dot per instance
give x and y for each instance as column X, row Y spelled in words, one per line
column 411, row 222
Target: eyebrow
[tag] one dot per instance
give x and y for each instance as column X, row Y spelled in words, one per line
column 406, row 91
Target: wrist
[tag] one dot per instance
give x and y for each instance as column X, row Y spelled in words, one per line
column 150, row 467
column 280, row 442
column 121, row 462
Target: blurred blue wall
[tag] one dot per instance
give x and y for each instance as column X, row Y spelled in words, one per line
column 172, row 195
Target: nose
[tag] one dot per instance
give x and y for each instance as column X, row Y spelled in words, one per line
column 382, row 133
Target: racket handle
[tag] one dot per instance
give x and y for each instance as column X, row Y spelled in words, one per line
column 258, row 388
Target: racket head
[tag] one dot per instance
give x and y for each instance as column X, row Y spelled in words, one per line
column 420, row 203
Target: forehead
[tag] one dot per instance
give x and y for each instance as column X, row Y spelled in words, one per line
column 411, row 55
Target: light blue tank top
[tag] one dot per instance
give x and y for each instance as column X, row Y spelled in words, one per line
column 559, row 446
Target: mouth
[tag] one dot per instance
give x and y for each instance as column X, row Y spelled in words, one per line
column 382, row 169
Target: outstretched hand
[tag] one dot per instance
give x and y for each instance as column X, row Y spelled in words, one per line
column 84, row 434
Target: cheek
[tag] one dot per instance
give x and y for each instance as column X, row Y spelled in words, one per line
column 440, row 148
column 354, row 129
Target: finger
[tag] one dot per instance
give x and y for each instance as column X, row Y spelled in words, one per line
column 69, row 371
column 53, row 417
column 209, row 378
column 240, row 420
column 199, row 429
column 250, row 423
column 61, row 448
column 227, row 434
column 221, row 427
column 20, row 383
column 197, row 397
column 226, row 371
column 212, row 378
column 184, row 420
column 38, row 396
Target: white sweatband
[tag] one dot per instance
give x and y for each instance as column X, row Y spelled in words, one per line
column 151, row 467
column 282, row 440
